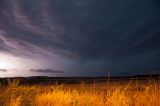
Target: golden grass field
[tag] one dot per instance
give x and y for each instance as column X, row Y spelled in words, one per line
column 133, row 93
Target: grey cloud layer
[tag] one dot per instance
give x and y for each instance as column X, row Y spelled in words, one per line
column 83, row 29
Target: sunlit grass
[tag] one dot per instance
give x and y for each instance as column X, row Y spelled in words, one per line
column 147, row 94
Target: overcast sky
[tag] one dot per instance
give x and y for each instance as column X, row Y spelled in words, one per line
column 79, row 37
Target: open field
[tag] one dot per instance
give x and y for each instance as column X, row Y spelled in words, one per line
column 109, row 93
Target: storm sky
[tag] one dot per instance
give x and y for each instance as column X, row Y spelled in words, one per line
column 79, row 37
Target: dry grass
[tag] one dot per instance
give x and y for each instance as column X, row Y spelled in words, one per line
column 81, row 95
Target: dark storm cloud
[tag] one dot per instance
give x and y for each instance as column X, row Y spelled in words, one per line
column 87, row 29
column 47, row 71
column 112, row 30
column 3, row 70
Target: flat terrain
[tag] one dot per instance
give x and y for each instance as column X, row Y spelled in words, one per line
column 44, row 91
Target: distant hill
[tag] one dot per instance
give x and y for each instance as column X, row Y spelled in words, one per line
column 75, row 80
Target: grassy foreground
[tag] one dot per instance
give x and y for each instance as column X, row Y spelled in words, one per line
column 81, row 95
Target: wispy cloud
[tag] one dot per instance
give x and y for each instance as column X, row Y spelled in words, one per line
column 47, row 71
column 3, row 70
